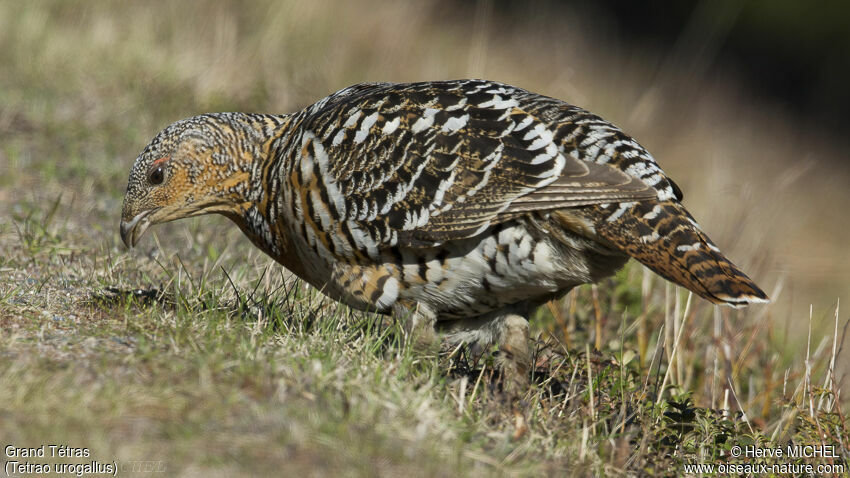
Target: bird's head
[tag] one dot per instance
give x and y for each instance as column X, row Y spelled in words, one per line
column 199, row 165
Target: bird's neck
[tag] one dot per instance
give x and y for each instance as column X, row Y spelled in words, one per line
column 256, row 197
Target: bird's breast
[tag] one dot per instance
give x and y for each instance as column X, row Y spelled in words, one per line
column 505, row 265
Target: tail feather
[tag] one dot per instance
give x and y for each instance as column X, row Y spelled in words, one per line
column 664, row 237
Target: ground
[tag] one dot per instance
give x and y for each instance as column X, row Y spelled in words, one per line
column 196, row 355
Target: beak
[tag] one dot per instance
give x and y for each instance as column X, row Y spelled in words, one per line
column 132, row 230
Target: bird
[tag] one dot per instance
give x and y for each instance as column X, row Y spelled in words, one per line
column 455, row 207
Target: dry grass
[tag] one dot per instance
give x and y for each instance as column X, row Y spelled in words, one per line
column 220, row 367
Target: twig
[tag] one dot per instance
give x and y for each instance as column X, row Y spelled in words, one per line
column 675, row 347
column 590, row 383
column 735, row 396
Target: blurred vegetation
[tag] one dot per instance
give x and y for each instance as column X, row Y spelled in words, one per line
column 795, row 53
column 194, row 349
column 802, row 52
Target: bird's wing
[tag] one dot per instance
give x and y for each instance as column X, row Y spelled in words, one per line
column 425, row 163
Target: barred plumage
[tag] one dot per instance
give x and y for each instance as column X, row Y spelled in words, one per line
column 464, row 203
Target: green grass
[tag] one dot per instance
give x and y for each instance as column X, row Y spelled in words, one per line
column 195, row 352
column 244, row 371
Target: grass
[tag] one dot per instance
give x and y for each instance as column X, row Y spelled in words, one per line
column 195, row 354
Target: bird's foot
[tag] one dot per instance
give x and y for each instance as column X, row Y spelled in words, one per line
column 418, row 327
column 514, row 358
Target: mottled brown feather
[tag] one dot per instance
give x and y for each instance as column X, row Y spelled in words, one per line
column 682, row 254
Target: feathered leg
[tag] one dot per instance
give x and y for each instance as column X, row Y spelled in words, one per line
column 418, row 324
column 506, row 328
column 514, row 356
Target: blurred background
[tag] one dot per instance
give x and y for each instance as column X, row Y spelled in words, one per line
column 743, row 103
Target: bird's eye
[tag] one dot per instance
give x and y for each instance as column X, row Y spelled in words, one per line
column 156, row 175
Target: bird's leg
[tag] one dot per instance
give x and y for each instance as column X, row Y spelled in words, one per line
column 514, row 356
column 508, row 329
column 417, row 323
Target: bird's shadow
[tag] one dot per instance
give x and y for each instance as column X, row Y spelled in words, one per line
column 112, row 297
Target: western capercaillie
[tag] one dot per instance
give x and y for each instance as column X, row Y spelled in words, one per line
column 455, row 205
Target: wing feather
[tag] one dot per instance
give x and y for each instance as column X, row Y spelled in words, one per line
column 424, row 163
